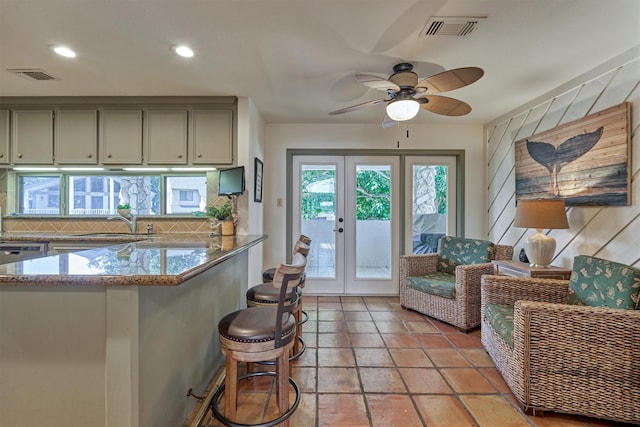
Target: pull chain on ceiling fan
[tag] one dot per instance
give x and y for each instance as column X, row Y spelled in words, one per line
column 406, row 93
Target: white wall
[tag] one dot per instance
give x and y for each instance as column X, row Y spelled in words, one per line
column 251, row 145
column 280, row 137
column 606, row 232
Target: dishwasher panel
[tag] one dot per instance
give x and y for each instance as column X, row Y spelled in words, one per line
column 20, row 251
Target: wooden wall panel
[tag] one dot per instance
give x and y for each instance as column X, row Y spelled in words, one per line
column 609, row 232
column 557, row 111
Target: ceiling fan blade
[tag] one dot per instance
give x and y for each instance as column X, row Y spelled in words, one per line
column 388, row 122
column 445, row 106
column 357, row 107
column 450, row 80
column 376, row 82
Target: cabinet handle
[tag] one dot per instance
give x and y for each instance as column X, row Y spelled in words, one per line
column 199, row 155
column 19, row 155
column 1, row 155
column 109, row 155
column 179, row 156
column 89, row 155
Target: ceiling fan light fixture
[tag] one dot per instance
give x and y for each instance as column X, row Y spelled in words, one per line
column 182, row 50
column 64, row 51
column 403, row 109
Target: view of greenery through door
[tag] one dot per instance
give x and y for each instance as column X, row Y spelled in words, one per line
column 372, row 211
column 373, row 190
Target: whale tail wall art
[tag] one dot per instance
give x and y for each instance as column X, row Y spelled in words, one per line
column 584, row 162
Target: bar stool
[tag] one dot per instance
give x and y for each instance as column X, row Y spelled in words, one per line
column 257, row 334
column 266, row 295
column 267, row 275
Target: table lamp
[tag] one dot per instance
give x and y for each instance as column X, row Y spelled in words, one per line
column 540, row 214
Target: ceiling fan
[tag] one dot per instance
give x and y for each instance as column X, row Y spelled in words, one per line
column 406, row 93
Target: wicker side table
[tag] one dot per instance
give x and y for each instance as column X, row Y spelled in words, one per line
column 522, row 269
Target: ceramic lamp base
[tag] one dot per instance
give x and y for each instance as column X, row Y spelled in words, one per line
column 540, row 249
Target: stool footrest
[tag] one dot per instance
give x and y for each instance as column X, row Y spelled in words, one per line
column 227, row 422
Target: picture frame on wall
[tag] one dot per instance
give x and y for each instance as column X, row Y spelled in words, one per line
column 586, row 162
column 257, row 190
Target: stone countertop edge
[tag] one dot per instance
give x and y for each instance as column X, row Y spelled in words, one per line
column 16, row 279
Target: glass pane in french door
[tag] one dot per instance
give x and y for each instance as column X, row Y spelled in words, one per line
column 432, row 196
column 318, row 215
column 373, row 221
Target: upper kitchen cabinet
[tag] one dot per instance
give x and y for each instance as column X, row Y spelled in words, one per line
column 121, row 137
column 76, row 137
column 4, row 137
column 32, row 137
column 165, row 137
column 211, row 137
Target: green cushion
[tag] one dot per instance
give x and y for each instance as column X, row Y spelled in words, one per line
column 500, row 317
column 601, row 283
column 437, row 283
column 454, row 251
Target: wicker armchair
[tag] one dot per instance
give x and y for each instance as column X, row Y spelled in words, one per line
column 459, row 304
column 561, row 357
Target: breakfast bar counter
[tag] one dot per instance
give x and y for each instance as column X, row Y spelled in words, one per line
column 156, row 260
column 116, row 336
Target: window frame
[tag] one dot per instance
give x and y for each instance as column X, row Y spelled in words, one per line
column 15, row 203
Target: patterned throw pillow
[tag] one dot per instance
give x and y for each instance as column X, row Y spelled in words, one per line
column 601, row 283
column 454, row 251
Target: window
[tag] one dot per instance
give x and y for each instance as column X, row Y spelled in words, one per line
column 39, row 195
column 88, row 194
column 185, row 194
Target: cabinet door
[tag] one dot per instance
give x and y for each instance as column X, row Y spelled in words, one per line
column 32, row 137
column 76, row 137
column 211, row 137
column 166, row 136
column 4, row 137
column 121, row 137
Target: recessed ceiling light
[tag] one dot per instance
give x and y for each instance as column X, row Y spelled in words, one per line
column 182, row 50
column 64, row 51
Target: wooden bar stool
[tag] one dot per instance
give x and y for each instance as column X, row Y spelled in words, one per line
column 266, row 295
column 267, row 275
column 257, row 334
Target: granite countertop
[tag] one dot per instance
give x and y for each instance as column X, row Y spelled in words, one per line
column 156, row 260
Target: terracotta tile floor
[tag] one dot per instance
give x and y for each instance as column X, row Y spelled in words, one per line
column 370, row 363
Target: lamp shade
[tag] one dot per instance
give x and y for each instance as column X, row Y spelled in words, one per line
column 403, row 109
column 541, row 213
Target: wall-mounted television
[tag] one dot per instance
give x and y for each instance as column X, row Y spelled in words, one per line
column 231, row 181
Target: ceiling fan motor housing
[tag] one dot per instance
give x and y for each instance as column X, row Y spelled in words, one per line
column 404, row 77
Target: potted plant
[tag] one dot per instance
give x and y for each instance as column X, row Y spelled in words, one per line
column 124, row 209
column 223, row 213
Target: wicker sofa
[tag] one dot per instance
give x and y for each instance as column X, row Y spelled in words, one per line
column 446, row 285
column 568, row 346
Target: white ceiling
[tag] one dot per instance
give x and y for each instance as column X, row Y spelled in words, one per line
column 296, row 59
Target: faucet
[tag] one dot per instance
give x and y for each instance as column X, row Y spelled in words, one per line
column 131, row 223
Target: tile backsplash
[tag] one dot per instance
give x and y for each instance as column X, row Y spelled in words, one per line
column 99, row 225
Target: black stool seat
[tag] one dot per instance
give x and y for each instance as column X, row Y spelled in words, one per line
column 266, row 293
column 255, row 324
column 267, row 276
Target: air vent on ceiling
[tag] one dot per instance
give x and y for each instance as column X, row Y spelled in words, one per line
column 452, row 25
column 32, row 73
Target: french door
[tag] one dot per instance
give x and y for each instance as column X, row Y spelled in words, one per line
column 349, row 207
